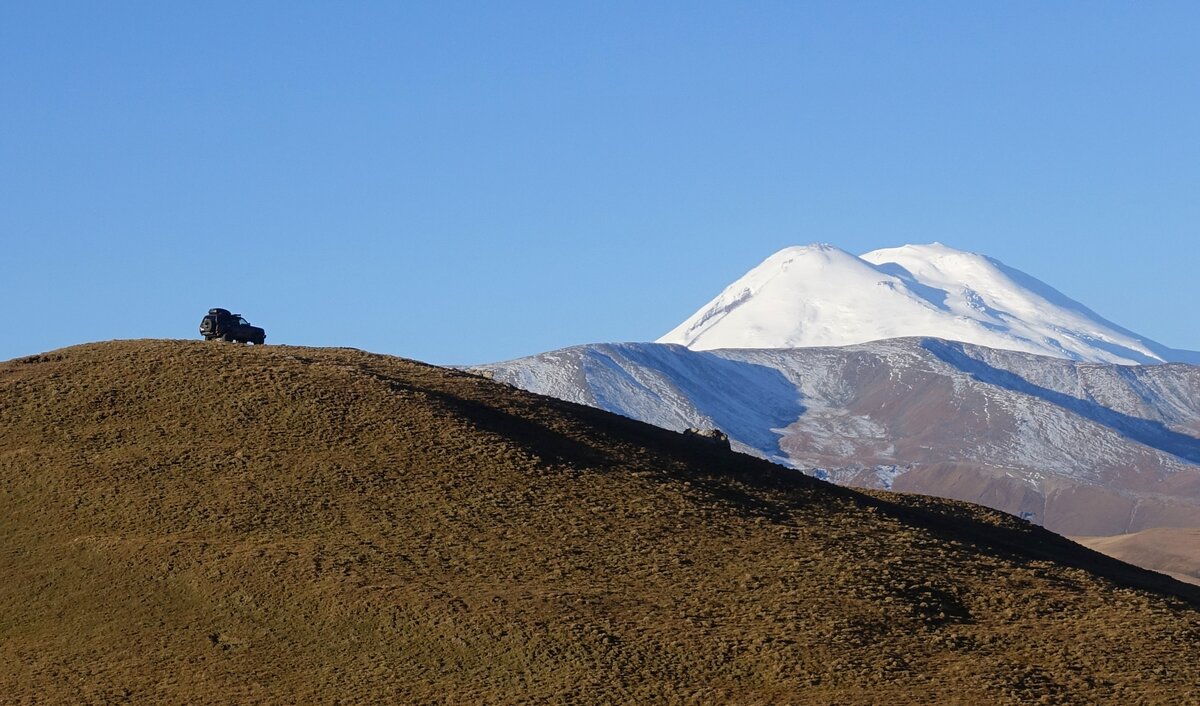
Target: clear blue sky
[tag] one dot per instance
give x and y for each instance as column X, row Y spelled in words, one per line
column 472, row 182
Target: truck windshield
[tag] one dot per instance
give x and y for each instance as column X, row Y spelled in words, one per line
column 243, row 322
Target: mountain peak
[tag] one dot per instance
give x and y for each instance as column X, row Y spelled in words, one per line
column 823, row 252
column 821, row 295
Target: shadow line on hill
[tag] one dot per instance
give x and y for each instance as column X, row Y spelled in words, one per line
column 1025, row 544
column 539, row 440
column 534, row 438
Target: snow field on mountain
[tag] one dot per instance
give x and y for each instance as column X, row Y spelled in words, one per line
column 820, row 295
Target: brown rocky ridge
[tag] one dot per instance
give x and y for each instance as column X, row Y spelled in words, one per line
column 189, row 522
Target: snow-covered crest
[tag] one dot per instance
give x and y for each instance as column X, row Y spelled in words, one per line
column 820, row 295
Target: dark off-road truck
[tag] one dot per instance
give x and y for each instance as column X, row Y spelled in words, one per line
column 220, row 324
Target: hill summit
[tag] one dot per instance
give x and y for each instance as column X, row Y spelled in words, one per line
column 190, row 522
column 820, row 295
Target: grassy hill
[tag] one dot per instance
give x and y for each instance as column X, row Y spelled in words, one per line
column 189, row 522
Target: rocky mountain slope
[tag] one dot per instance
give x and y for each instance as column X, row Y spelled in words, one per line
column 1088, row 449
column 820, row 295
column 186, row 522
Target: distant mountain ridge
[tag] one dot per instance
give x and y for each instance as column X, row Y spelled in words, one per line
column 1083, row 448
column 820, row 295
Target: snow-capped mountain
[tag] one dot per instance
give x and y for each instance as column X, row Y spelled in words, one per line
column 920, row 368
column 1086, row 449
column 820, row 295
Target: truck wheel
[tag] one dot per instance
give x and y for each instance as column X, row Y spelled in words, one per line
column 228, row 338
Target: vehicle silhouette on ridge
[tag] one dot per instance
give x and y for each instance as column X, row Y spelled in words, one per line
column 223, row 325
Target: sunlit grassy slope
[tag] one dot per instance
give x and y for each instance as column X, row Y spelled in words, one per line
column 189, row 522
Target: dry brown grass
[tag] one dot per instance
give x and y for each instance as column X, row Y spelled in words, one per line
column 185, row 522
